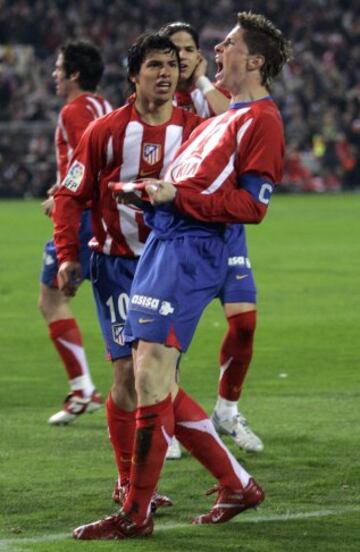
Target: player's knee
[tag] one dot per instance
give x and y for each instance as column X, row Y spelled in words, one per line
column 243, row 324
column 123, row 387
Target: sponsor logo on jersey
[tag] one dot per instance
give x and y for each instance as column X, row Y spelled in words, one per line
column 152, row 153
column 118, row 333
column 74, row 176
column 241, row 276
column 152, row 303
column 239, row 261
column 186, row 169
column 166, row 308
column 147, row 302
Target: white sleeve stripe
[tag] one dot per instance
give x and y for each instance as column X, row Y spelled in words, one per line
column 97, row 106
column 109, row 151
column 200, row 103
column 242, row 131
column 108, row 107
column 225, row 173
column 221, row 178
column 62, row 128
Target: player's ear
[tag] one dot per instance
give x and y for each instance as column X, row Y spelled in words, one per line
column 255, row 62
column 74, row 77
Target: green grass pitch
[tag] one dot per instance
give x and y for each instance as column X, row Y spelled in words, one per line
column 302, row 396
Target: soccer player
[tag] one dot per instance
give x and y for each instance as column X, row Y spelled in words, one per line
column 136, row 141
column 224, row 174
column 78, row 70
column 196, row 93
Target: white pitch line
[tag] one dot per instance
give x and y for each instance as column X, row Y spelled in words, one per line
column 12, row 544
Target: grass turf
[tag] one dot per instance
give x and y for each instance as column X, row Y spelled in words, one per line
column 301, row 396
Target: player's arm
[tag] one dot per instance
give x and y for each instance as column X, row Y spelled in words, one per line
column 216, row 98
column 75, row 122
column 247, row 204
column 77, row 188
column 259, row 168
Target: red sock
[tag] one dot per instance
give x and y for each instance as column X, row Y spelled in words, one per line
column 154, row 431
column 197, row 434
column 236, row 353
column 121, row 426
column 66, row 337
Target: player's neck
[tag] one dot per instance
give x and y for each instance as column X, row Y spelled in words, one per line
column 153, row 113
column 184, row 85
column 73, row 94
column 249, row 94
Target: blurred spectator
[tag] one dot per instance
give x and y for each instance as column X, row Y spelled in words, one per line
column 319, row 93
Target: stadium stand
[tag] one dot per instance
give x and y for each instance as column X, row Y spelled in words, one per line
column 318, row 94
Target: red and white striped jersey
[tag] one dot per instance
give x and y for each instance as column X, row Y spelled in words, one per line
column 118, row 147
column 72, row 121
column 248, row 139
column 194, row 100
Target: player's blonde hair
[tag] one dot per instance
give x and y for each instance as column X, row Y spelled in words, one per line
column 262, row 37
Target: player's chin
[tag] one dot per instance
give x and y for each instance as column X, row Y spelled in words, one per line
column 165, row 95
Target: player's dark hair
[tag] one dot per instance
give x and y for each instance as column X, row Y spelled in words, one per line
column 147, row 42
column 262, row 37
column 83, row 57
column 179, row 26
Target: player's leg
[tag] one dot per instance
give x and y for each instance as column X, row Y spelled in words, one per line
column 111, row 279
column 65, row 335
column 161, row 323
column 237, row 490
column 239, row 301
column 155, row 366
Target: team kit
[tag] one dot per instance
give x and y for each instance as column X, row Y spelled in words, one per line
column 151, row 205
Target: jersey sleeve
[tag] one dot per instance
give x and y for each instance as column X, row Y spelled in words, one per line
column 234, row 206
column 258, row 167
column 262, row 149
column 75, row 120
column 78, row 187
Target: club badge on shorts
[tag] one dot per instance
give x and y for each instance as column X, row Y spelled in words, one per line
column 118, row 333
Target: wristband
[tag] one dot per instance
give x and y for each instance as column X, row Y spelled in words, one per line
column 204, row 85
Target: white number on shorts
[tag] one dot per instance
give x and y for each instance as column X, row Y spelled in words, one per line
column 123, row 301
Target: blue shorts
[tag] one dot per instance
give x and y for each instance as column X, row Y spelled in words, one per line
column 174, row 281
column 50, row 266
column 111, row 279
column 239, row 286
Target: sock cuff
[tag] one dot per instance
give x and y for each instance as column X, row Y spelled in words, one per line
column 151, row 410
column 58, row 327
column 241, row 317
column 179, row 397
column 115, row 410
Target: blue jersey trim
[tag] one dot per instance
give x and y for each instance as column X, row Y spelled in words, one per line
column 239, row 105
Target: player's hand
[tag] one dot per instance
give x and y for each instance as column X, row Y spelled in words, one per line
column 69, row 277
column 123, row 195
column 160, row 191
column 51, row 191
column 48, row 206
column 200, row 69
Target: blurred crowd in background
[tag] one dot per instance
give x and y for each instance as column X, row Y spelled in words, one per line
column 318, row 93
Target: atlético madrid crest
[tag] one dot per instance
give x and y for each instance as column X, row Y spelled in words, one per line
column 152, row 153
column 118, row 333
